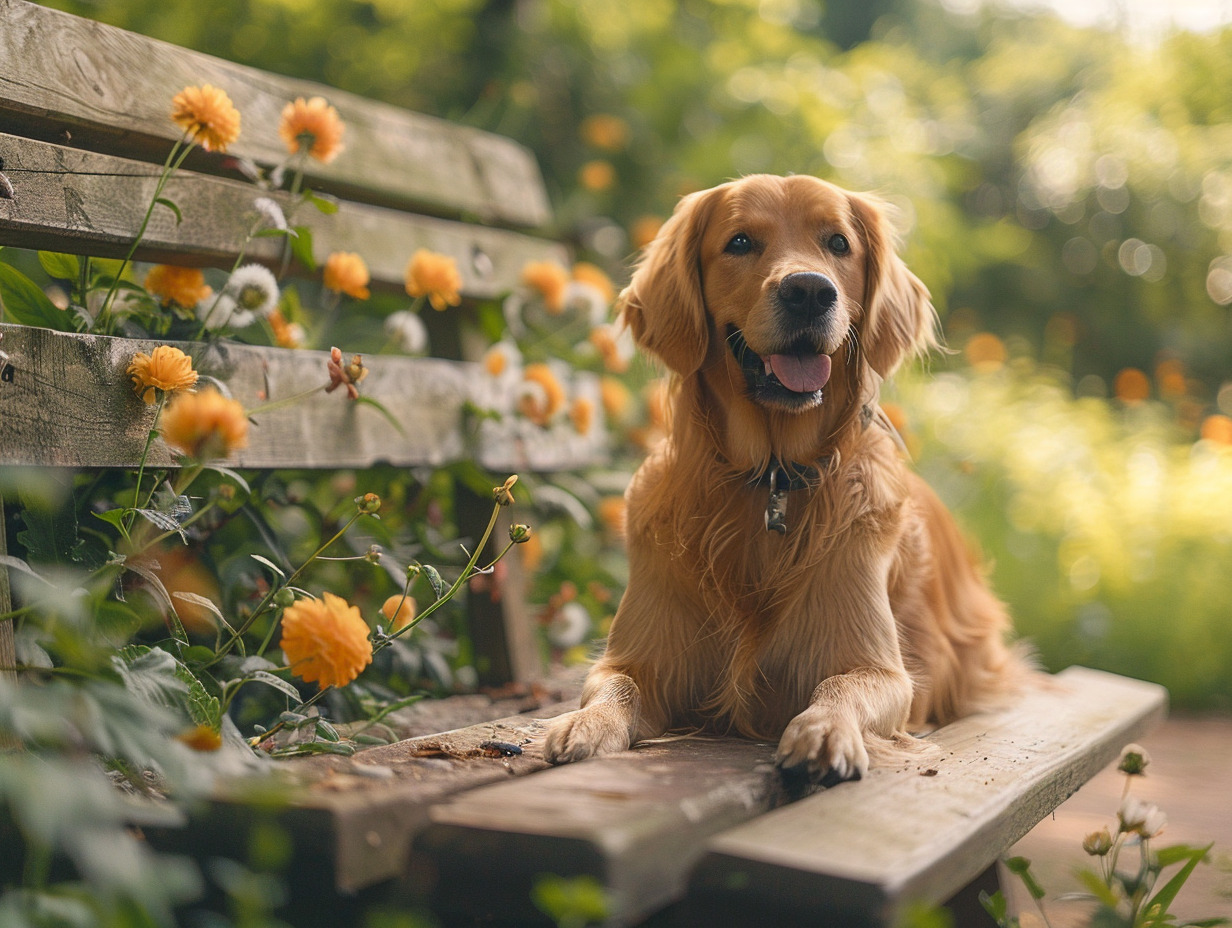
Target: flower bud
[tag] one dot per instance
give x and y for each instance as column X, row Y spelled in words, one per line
column 412, row 572
column 1097, row 843
column 1134, row 760
column 368, row 503
column 504, row 493
column 284, row 597
column 374, row 554
column 519, row 533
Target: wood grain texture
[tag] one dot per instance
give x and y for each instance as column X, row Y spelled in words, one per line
column 66, row 402
column 353, row 820
column 854, row 854
column 111, row 90
column 635, row 821
column 83, row 203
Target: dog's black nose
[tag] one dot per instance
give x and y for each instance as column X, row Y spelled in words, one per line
column 807, row 294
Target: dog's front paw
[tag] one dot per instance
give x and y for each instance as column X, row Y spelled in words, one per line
column 598, row 729
column 822, row 747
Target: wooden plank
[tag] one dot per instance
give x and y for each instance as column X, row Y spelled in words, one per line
column 636, row 821
column 83, row 203
column 352, row 820
column 111, row 90
column 65, row 401
column 855, row 854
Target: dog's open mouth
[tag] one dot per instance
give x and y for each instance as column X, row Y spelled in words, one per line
column 791, row 379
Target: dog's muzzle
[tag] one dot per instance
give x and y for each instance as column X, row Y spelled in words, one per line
column 792, row 378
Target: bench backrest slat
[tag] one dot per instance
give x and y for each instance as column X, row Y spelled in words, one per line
column 84, row 203
column 111, row 90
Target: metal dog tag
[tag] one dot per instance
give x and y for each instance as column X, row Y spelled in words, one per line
column 776, row 508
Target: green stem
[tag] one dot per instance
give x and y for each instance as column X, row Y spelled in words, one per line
column 145, row 453
column 175, row 158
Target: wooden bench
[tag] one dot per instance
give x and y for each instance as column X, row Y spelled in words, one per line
column 688, row 831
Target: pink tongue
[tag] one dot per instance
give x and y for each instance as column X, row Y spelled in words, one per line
column 800, row 373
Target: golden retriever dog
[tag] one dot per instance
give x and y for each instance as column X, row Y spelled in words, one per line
column 789, row 576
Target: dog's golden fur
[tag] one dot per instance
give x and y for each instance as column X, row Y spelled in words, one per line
column 868, row 617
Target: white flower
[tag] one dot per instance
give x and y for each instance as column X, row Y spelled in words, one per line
column 220, row 312
column 407, row 329
column 570, row 626
column 586, row 300
column 270, row 213
column 1145, row 818
column 254, row 289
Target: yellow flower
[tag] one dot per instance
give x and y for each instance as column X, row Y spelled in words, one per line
column 312, row 126
column 615, row 396
column 549, row 281
column 207, row 115
column 541, row 396
column 399, row 611
column 985, row 352
column 434, row 276
column 201, row 738
column 325, row 640
column 346, row 272
column 165, row 368
column 205, row 425
column 586, row 273
column 184, row 286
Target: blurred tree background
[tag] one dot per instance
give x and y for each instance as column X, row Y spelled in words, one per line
column 1065, row 192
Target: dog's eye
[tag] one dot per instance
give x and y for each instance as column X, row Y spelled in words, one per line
column 740, row 244
column 838, row 244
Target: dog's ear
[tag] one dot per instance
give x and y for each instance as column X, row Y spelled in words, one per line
column 663, row 305
column 899, row 319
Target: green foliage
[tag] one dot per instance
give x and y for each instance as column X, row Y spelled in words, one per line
column 571, row 902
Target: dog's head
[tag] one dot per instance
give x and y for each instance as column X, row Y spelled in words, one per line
column 781, row 292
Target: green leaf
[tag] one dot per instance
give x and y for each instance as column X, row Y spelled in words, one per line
column 1021, row 867
column 16, row 563
column 324, row 204
column 369, row 401
column 345, row 748
column 394, row 707
column 262, row 676
column 270, row 564
column 204, row 602
column 50, row 535
column 163, row 201
column 1101, row 890
column 163, row 521
column 301, row 247
column 326, row 731
column 1166, row 896
column 150, row 674
column 25, row 303
column 434, row 578
column 61, row 267
column 995, row 905
column 1175, row 853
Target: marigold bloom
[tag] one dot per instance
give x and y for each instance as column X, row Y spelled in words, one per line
column 325, row 640
column 586, row 273
column 1217, row 429
column 312, row 126
column 204, row 425
column 201, row 738
column 346, row 272
column 184, row 286
column 165, row 368
column 435, row 276
column 549, row 280
column 399, row 611
column 615, row 350
column 985, row 352
column 286, row 334
column 1132, row 386
column 207, row 115
column 616, row 398
column 597, row 176
column 582, row 415
column 541, row 396
column 603, row 130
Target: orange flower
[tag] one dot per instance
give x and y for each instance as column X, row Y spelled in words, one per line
column 615, row 358
column 205, row 425
column 207, row 115
column 586, row 273
column 597, row 176
column 612, row 513
column 165, row 368
column 582, row 415
column 615, row 396
column 644, row 230
column 985, row 352
column 346, row 272
column 611, row 133
column 312, row 126
column 325, row 640
column 434, row 276
column 1217, row 430
column 1170, row 375
column 201, row 738
column 541, row 396
column 549, row 280
column 184, row 286
column 399, row 611
column 1132, row 386
column 286, row 334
